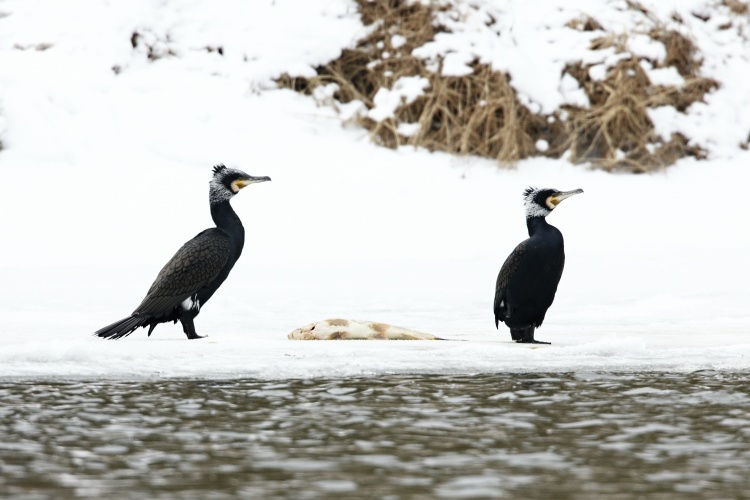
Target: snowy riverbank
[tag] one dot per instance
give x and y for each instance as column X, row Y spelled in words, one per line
column 105, row 175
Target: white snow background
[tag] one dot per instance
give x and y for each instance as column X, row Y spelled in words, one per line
column 104, row 175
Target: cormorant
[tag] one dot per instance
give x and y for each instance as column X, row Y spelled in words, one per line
column 198, row 269
column 527, row 282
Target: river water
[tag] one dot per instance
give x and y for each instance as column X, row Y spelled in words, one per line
column 582, row 435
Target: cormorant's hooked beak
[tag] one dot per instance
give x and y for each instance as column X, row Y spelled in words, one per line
column 556, row 198
column 246, row 181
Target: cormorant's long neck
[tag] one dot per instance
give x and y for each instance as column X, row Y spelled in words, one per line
column 228, row 221
column 536, row 224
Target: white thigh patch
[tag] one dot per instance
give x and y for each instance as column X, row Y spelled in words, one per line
column 190, row 303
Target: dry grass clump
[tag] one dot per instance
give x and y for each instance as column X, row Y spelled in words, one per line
column 737, row 7
column 480, row 113
column 477, row 114
column 615, row 131
column 681, row 52
column 375, row 62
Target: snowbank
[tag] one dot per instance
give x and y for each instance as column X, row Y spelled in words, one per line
column 105, row 174
column 621, row 85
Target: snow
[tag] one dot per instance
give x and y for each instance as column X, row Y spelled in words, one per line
column 572, row 92
column 405, row 91
column 398, row 41
column 507, row 35
column 408, row 129
column 103, row 176
column 663, row 76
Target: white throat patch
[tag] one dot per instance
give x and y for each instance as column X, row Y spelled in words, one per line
column 217, row 191
column 532, row 208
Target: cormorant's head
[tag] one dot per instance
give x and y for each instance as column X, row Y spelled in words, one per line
column 227, row 182
column 540, row 202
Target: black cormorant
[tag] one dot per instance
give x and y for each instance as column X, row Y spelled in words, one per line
column 197, row 270
column 528, row 280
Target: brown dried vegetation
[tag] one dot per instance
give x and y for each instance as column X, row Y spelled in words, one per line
column 736, row 7
column 615, row 131
column 480, row 113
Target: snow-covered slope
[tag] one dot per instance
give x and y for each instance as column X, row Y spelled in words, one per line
column 104, row 175
column 533, row 41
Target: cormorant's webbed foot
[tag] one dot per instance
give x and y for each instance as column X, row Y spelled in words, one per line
column 196, row 336
column 525, row 336
column 531, row 341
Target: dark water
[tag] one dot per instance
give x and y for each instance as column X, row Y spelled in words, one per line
column 491, row 436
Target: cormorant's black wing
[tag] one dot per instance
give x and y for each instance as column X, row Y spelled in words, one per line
column 194, row 266
column 506, row 272
column 558, row 274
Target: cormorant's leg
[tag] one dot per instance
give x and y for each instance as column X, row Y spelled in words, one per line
column 528, row 336
column 516, row 334
column 188, row 327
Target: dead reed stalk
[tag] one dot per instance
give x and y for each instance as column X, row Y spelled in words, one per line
column 480, row 113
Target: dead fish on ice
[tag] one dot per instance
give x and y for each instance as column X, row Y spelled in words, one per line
column 346, row 329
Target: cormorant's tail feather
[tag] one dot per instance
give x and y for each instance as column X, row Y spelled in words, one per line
column 122, row 328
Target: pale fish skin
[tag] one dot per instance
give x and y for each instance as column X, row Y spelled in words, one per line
column 346, row 329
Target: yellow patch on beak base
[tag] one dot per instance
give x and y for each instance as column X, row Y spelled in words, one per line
column 551, row 202
column 239, row 184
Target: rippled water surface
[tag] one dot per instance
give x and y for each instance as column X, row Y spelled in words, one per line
column 523, row 436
